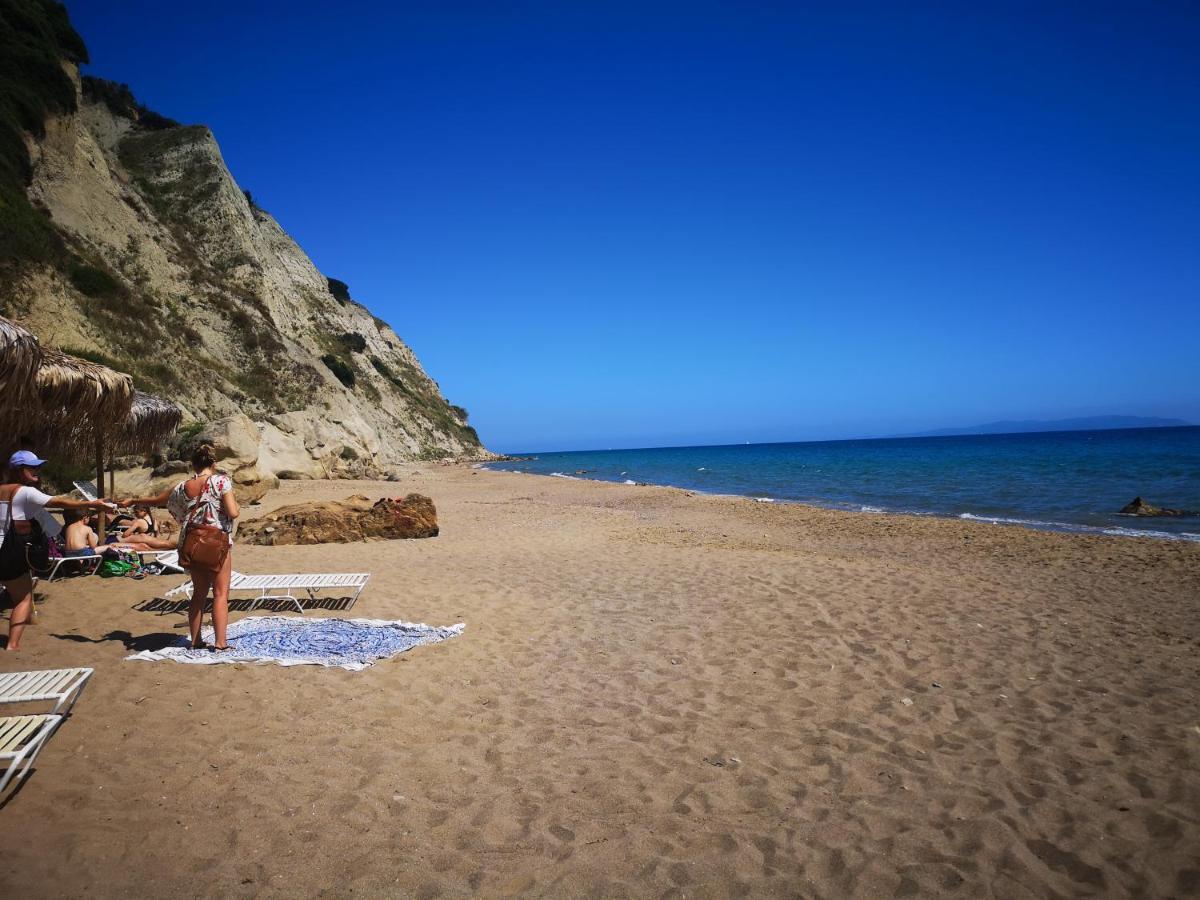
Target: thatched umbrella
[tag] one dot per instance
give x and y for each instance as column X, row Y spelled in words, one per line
column 151, row 421
column 20, row 356
column 72, row 409
column 81, row 406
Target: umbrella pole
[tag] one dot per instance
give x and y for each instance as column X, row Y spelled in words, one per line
column 100, row 481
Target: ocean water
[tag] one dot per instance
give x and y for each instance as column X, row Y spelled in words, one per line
column 1070, row 480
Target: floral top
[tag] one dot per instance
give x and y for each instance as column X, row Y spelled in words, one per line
column 204, row 509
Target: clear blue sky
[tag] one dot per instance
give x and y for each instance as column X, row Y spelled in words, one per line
column 609, row 224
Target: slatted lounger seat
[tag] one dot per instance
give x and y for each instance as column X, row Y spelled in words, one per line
column 168, row 559
column 59, row 685
column 67, row 566
column 21, row 739
column 280, row 587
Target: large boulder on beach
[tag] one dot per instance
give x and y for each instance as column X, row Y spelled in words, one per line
column 356, row 518
column 234, row 440
column 1139, row 507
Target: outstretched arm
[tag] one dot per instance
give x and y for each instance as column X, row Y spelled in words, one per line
column 68, row 503
column 159, row 500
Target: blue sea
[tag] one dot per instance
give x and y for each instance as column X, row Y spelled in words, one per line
column 1064, row 481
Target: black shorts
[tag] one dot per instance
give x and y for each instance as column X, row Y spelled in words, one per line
column 14, row 561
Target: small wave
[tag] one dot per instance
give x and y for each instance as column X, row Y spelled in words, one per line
column 564, row 475
column 870, row 509
column 628, row 481
column 1114, row 531
column 1000, row 520
column 764, row 499
column 1136, row 532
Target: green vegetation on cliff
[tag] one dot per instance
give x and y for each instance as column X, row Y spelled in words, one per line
column 35, row 36
column 120, row 101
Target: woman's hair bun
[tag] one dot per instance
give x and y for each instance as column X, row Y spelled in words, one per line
column 203, row 457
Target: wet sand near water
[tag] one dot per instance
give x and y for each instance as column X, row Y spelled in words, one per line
column 656, row 695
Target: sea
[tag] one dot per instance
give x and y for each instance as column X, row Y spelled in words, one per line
column 1061, row 481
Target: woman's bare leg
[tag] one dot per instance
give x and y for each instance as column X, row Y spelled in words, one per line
column 201, row 582
column 21, row 591
column 220, row 612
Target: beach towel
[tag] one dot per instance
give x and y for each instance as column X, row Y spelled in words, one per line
column 351, row 644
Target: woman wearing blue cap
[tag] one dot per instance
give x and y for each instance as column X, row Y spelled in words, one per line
column 20, row 504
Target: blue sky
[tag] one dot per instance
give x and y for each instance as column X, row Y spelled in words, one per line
column 610, row 224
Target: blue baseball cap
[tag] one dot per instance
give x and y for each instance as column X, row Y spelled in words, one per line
column 23, row 459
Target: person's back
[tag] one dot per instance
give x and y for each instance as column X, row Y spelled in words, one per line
column 79, row 538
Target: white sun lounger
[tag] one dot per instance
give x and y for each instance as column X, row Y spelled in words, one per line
column 87, row 489
column 280, row 587
column 90, row 565
column 59, row 685
column 86, row 565
column 21, row 739
column 168, row 559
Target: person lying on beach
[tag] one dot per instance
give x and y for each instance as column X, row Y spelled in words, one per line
column 78, row 537
column 139, row 542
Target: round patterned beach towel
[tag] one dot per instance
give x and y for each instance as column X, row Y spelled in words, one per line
column 289, row 641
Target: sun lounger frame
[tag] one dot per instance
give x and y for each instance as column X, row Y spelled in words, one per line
column 59, row 685
column 21, row 740
column 90, row 565
column 166, row 558
column 269, row 587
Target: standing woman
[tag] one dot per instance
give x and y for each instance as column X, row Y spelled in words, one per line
column 203, row 502
column 20, row 504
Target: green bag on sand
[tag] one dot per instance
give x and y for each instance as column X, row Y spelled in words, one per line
column 115, row 568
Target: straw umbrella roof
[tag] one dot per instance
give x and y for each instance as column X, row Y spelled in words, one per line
column 79, row 402
column 20, row 356
column 151, row 421
column 64, row 406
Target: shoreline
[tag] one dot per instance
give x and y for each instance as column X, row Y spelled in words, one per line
column 1029, row 524
column 655, row 694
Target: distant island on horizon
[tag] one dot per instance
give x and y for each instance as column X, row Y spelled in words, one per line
column 1027, row 426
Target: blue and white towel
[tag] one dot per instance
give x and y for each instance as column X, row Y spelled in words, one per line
column 351, row 644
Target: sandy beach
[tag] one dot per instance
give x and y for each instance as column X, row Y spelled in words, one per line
column 656, row 694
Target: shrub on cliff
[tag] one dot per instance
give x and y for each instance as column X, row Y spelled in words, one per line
column 353, row 341
column 120, row 101
column 93, row 282
column 339, row 289
column 340, row 369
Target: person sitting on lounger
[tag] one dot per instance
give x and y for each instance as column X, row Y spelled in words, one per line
column 142, row 523
column 78, row 536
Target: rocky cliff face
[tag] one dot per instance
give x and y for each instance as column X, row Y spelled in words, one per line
column 173, row 274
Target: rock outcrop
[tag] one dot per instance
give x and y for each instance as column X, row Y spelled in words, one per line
column 1139, row 507
column 170, row 271
column 356, row 518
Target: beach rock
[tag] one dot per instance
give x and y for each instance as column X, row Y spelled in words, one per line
column 252, row 492
column 171, row 467
column 234, row 439
column 283, row 453
column 1139, row 507
column 356, row 518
